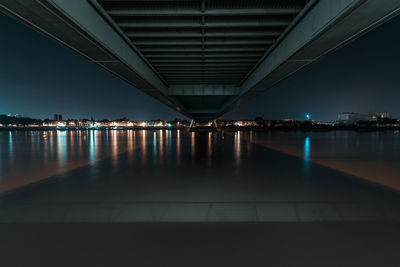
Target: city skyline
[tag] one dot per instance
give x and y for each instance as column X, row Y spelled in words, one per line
column 368, row 82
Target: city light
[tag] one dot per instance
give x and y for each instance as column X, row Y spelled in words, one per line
column 345, row 119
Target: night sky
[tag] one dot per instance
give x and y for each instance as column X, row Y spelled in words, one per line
column 39, row 77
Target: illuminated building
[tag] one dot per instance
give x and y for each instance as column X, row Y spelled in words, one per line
column 157, row 123
column 141, row 124
column 84, row 122
column 61, row 124
column 71, row 123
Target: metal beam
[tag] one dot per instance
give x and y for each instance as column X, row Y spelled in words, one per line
column 200, row 71
column 192, row 60
column 204, row 111
column 190, row 64
column 206, row 49
column 204, row 77
column 199, row 77
column 203, row 55
column 277, row 22
column 196, row 89
column 232, row 80
column 171, row 42
column 203, row 82
column 200, row 68
column 137, row 12
column 171, row 34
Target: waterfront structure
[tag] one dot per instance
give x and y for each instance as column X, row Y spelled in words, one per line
column 348, row 120
column 49, row 124
column 202, row 57
column 84, row 123
column 157, row 123
column 353, row 117
column 141, row 124
column 380, row 115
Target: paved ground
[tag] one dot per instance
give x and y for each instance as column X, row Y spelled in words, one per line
column 201, row 212
column 201, row 244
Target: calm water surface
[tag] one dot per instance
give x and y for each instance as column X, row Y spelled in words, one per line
column 111, row 168
column 25, row 151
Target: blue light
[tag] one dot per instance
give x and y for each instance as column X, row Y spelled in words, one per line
column 308, row 116
column 154, row 144
column 10, row 143
column 307, row 149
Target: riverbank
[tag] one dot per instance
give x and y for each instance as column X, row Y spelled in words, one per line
column 232, row 128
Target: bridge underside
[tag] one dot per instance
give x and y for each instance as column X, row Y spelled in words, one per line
column 202, row 57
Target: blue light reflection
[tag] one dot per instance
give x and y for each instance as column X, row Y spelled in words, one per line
column 307, row 149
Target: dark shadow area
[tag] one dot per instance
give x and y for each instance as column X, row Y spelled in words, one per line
column 198, row 244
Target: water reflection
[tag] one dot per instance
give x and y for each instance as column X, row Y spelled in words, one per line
column 46, row 146
column 249, row 142
column 306, row 149
column 178, row 147
column 131, row 141
column 154, row 144
column 193, row 145
column 237, row 148
column 10, row 145
column 169, row 139
column 209, row 148
column 161, row 146
column 34, row 156
column 71, row 141
column 144, row 146
column 306, row 156
column 51, row 144
column 62, row 148
column 114, row 147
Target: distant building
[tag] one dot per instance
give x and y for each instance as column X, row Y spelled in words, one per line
column 157, row 123
column 71, row 122
column 84, row 122
column 380, row 115
column 245, row 123
column 141, row 124
column 58, row 117
column 102, row 123
column 352, row 117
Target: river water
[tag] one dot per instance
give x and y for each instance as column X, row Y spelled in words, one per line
column 177, row 175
